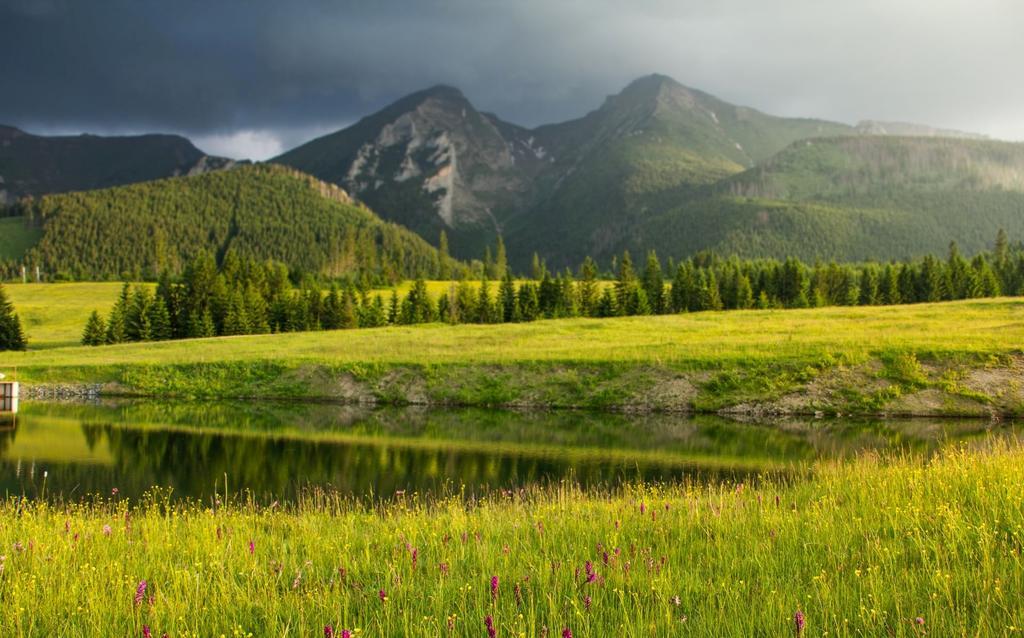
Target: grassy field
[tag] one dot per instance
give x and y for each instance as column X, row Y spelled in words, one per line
column 958, row 358
column 869, row 548
column 54, row 315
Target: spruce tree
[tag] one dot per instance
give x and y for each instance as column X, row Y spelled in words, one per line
column 529, row 306
column 606, row 304
column 744, row 293
column 444, row 262
column 537, row 268
column 256, row 310
column 117, row 326
column 483, row 310
column 95, row 333
column 236, row 321
column 507, row 298
column 332, row 309
column 869, row 287
column 349, row 317
column 711, row 298
column 587, row 288
column 159, row 321
column 500, row 260
column 682, row 288
column 393, row 308
column 12, row 337
column 654, row 284
column 137, row 321
column 624, row 286
column 985, row 280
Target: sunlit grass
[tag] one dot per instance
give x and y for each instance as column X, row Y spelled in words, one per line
column 868, row 548
column 700, row 339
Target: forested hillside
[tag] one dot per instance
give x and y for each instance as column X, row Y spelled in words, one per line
column 851, row 198
column 260, row 212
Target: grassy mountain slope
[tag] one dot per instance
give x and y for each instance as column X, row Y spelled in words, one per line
column 648, row 148
column 265, row 211
column 37, row 165
column 853, row 198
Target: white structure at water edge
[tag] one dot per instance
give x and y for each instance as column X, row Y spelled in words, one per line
column 8, row 396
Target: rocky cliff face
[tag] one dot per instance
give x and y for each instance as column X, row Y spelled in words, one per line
column 431, row 162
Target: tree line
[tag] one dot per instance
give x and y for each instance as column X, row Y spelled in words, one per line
column 245, row 296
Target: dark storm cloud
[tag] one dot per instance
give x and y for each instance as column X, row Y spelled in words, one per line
column 250, row 77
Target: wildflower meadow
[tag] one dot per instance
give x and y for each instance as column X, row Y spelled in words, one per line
column 875, row 547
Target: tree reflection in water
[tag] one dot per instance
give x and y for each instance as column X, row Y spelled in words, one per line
column 274, row 450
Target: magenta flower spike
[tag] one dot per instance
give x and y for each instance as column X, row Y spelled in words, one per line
column 799, row 622
column 491, row 631
column 494, row 588
column 140, row 592
column 328, row 631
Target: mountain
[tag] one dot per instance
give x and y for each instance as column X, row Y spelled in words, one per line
column 431, row 161
column 38, row 165
column 259, row 211
column 852, row 198
column 652, row 145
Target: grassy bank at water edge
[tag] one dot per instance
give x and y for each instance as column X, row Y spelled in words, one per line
column 958, row 358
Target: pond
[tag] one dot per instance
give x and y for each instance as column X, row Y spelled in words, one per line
column 276, row 450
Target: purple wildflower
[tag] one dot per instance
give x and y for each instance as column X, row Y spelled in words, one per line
column 567, row 633
column 919, row 621
column 491, row 631
column 586, row 602
column 591, row 574
column 415, row 557
column 643, row 510
column 146, row 633
column 383, row 595
column 328, row 631
column 443, row 568
column 345, row 633
column 494, row 588
column 799, row 622
column 140, row 592
column 252, row 547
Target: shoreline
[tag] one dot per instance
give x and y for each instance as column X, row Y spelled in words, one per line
column 936, row 388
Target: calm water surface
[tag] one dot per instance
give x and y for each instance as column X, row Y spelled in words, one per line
column 275, row 450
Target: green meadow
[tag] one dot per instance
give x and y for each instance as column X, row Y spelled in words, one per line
column 874, row 547
column 952, row 358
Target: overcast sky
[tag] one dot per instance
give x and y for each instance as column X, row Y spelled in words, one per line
column 250, row 78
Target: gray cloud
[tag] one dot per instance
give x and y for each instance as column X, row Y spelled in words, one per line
column 248, row 78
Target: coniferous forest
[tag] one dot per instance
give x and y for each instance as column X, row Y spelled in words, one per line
column 241, row 295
